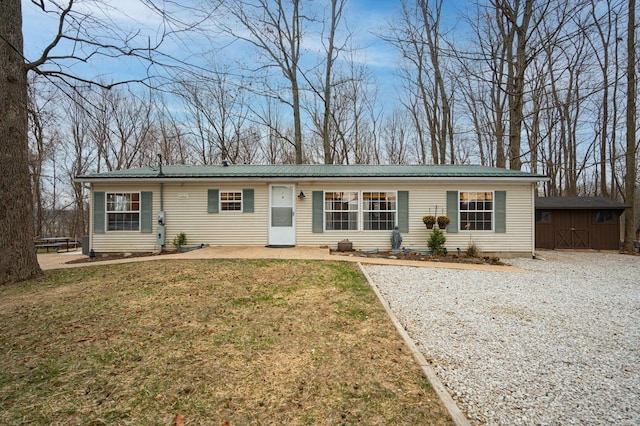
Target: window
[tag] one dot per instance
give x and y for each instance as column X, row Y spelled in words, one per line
column 378, row 211
column 341, row 211
column 476, row 211
column 543, row 217
column 123, row 211
column 231, row 201
column 604, row 216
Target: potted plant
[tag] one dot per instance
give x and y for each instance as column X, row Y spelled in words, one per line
column 429, row 220
column 443, row 221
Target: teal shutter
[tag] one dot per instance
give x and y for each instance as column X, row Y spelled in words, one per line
column 501, row 211
column 403, row 211
column 212, row 200
column 146, row 212
column 247, row 200
column 98, row 212
column 452, row 211
column 317, row 207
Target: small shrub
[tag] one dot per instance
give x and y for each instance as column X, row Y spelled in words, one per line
column 180, row 240
column 472, row 250
column 436, row 241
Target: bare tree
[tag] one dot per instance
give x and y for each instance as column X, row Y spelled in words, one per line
column 275, row 29
column 18, row 260
column 397, row 137
column 171, row 134
column 431, row 21
column 564, row 70
column 77, row 31
column 276, row 149
column 420, row 146
column 604, row 28
column 120, row 127
column 332, row 52
column 249, row 145
column 80, row 156
column 509, row 38
column 219, row 108
column 630, row 156
column 418, row 36
column 353, row 116
column 515, row 22
column 42, row 141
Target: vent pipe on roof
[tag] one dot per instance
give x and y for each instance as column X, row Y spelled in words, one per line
column 160, row 174
column 226, row 163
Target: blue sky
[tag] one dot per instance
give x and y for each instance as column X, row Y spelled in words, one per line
column 365, row 18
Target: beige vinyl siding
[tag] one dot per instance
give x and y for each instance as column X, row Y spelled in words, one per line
column 424, row 200
column 519, row 223
column 125, row 241
column 360, row 239
column 186, row 210
column 185, row 206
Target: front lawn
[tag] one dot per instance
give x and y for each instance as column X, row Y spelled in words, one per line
column 206, row 342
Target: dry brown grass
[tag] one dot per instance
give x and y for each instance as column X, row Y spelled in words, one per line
column 218, row 342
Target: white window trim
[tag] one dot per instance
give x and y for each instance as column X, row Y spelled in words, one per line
column 461, row 228
column 362, row 211
column 220, row 210
column 358, row 211
column 107, row 211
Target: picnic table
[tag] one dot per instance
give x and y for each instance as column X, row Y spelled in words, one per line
column 56, row 243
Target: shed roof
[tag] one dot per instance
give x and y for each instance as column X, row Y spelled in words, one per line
column 311, row 171
column 578, row 203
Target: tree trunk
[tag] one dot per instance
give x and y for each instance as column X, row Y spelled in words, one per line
column 432, row 30
column 516, row 96
column 630, row 177
column 326, row 117
column 297, row 126
column 18, row 260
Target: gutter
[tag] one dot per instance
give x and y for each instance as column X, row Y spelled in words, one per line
column 413, row 179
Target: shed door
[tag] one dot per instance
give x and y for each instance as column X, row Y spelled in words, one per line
column 572, row 230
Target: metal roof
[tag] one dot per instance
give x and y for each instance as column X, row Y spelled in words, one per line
column 578, row 203
column 311, row 171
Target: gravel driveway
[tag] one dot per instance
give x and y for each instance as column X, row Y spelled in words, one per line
column 558, row 344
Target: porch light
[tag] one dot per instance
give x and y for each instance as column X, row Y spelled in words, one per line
column 301, row 195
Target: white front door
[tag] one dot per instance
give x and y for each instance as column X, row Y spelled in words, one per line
column 282, row 231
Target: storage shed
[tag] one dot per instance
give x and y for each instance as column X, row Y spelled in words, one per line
column 578, row 223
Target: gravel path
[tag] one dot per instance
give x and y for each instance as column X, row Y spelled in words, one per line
column 559, row 344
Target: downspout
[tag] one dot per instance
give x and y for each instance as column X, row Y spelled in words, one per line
column 533, row 220
column 162, row 210
column 92, row 207
column 161, row 174
column 163, row 220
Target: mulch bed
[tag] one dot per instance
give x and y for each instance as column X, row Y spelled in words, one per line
column 409, row 255
column 413, row 255
column 115, row 256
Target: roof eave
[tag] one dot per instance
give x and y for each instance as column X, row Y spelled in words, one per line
column 158, row 179
column 621, row 208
